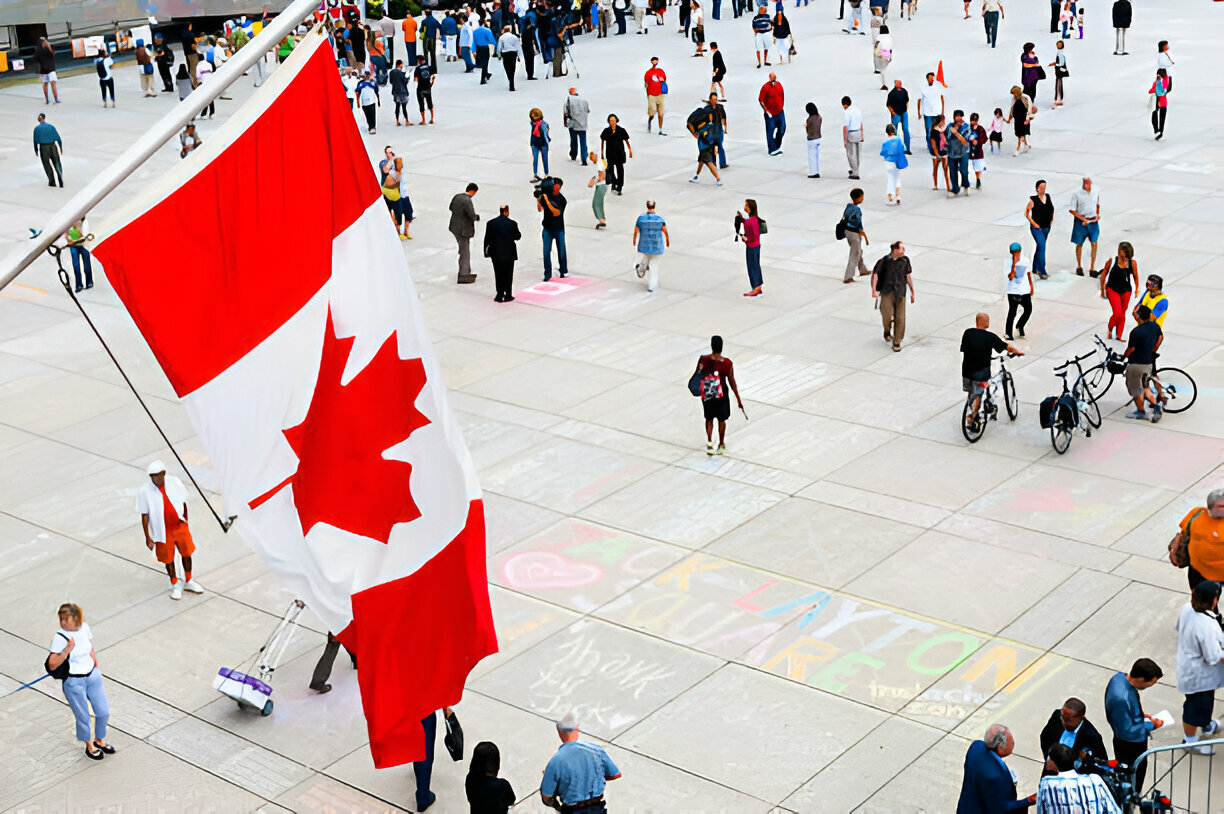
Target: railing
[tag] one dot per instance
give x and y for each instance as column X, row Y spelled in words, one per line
column 1184, row 786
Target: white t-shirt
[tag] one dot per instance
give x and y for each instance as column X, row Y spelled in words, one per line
column 204, row 69
column 698, row 17
column 350, row 85
column 1163, row 60
column 149, row 501
column 107, row 63
column 1085, row 202
column 932, row 100
column 80, row 663
column 853, row 119
column 1200, row 646
column 1020, row 285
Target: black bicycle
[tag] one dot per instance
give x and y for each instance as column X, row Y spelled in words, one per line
column 1074, row 409
column 1174, row 387
column 980, row 405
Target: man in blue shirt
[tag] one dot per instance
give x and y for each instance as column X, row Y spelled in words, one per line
column 432, row 28
column 483, row 42
column 856, row 236
column 1131, row 727
column 651, row 238
column 576, row 775
column 762, row 27
column 958, row 135
column 48, row 146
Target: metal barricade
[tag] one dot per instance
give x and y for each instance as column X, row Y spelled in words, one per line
column 1178, row 780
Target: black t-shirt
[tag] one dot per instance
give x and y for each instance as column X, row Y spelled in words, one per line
column 46, row 58
column 189, row 43
column 898, row 100
column 554, row 223
column 977, row 345
column 489, row 795
column 422, row 73
column 1142, row 343
column 614, row 144
column 1119, row 278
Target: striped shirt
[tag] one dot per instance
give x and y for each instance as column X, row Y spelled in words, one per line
column 1072, row 793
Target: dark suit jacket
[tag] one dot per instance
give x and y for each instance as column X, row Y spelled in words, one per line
column 987, row 787
column 500, row 234
column 1087, row 738
column 463, row 216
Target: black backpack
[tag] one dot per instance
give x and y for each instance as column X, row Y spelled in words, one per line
column 100, row 64
column 58, row 673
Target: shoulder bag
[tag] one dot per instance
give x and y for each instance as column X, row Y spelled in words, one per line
column 1179, row 546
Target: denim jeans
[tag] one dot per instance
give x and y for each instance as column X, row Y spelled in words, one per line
column 992, row 27
column 722, row 155
column 752, row 255
column 958, row 171
column 536, row 154
column 578, row 145
column 1040, row 236
column 775, row 129
column 82, row 693
column 903, row 120
column 716, row 10
column 423, row 769
column 79, row 253
column 548, row 238
column 928, row 123
column 465, row 53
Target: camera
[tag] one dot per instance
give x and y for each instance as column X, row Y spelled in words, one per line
column 546, row 186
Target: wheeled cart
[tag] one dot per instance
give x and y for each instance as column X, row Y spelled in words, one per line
column 255, row 691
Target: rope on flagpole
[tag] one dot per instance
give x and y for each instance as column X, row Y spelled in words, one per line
column 56, row 252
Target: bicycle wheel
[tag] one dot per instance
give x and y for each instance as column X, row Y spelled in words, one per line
column 1098, row 379
column 1009, row 396
column 1179, row 389
column 1060, row 432
column 973, row 426
column 1092, row 411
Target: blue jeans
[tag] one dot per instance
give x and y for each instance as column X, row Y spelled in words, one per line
column 992, row 27
column 423, row 769
column 79, row 253
column 578, row 137
column 752, row 255
column 775, row 129
column 465, row 53
column 903, row 120
column 928, row 123
column 958, row 168
column 548, row 238
column 1040, row 236
column 82, row 689
column 722, row 155
column 716, row 10
column 536, row 154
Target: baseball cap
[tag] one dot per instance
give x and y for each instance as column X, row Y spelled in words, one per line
column 155, row 467
column 1015, row 247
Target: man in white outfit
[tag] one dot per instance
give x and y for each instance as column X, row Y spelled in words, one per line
column 162, row 503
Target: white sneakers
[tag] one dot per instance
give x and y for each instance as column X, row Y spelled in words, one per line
column 176, row 590
column 194, row 587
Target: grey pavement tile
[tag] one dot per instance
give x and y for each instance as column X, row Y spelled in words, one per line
column 507, row 520
column 230, row 757
column 1061, row 610
column 1100, row 640
column 522, row 622
column 320, row 794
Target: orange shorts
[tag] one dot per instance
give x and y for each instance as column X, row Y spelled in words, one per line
column 179, row 539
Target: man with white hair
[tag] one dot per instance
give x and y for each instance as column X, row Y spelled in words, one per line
column 575, row 776
column 989, row 784
column 162, row 503
column 1203, row 527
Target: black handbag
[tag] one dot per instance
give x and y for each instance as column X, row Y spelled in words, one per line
column 1041, row 74
column 839, row 231
column 695, row 382
column 454, row 736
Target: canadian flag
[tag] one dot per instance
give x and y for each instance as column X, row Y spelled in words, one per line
column 280, row 307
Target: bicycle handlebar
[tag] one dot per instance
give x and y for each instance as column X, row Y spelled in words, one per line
column 1074, row 361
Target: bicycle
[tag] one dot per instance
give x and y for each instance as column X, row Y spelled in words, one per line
column 973, row 421
column 1176, row 390
column 1072, row 409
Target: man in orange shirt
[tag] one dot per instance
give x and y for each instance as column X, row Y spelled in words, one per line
column 1206, row 540
column 162, row 503
column 410, row 39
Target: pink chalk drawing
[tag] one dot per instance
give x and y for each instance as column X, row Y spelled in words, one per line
column 546, row 569
column 541, row 293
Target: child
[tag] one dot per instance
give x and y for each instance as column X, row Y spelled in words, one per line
column 996, row 130
column 600, row 183
column 1060, row 72
column 1067, row 18
column 1081, row 22
column 720, row 71
column 977, row 155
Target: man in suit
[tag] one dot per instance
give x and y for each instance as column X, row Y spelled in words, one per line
column 1069, row 727
column 989, row 786
column 500, row 236
column 463, row 227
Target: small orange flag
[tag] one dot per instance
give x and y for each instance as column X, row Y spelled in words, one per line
column 939, row 74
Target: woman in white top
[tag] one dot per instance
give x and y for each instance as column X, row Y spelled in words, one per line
column 883, row 55
column 1200, row 661
column 1165, row 60
column 204, row 70
column 1019, row 292
column 73, row 643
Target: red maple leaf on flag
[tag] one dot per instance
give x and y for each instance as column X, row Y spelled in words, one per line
column 342, row 478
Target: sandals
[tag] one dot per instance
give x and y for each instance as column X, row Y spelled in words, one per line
column 98, row 755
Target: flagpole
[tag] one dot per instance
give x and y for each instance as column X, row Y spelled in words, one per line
column 155, row 137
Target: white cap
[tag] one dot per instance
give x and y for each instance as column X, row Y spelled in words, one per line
column 568, row 723
column 155, row 467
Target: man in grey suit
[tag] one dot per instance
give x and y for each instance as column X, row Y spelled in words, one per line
column 499, row 239
column 463, row 227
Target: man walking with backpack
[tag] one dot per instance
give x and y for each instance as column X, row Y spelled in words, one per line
column 702, row 123
column 713, row 376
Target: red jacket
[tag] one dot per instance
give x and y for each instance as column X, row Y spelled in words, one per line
column 771, row 97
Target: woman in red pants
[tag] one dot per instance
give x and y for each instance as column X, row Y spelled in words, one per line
column 1119, row 278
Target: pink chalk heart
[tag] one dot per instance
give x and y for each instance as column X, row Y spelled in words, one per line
column 545, row 569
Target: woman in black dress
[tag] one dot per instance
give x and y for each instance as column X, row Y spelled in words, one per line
column 1018, row 114
column 613, row 143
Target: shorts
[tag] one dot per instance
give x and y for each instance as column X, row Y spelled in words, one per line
column 763, row 40
column 1137, row 379
column 718, row 75
column 699, row 34
column 1081, row 230
column 717, row 408
column 180, row 540
column 979, row 164
column 973, row 384
column 48, row 77
column 705, row 155
column 425, row 98
column 1196, row 709
column 997, row 138
column 654, row 104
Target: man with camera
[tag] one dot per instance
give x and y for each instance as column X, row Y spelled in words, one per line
column 551, row 202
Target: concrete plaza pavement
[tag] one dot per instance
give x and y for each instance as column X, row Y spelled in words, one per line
column 819, row 621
